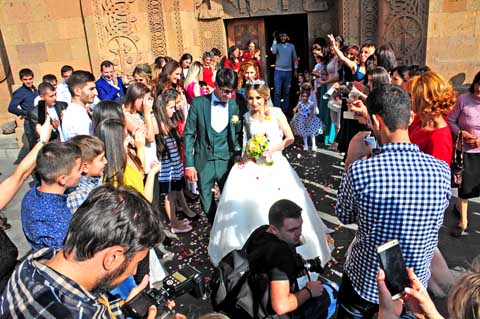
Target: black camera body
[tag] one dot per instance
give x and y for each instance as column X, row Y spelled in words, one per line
column 185, row 280
column 314, row 264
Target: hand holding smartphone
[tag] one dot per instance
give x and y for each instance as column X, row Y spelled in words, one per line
column 392, row 262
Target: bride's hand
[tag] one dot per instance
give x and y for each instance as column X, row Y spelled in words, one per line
column 267, row 153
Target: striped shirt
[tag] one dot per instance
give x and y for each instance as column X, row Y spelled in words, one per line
column 37, row 291
column 171, row 168
column 401, row 194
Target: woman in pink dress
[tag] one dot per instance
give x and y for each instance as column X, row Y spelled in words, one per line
column 191, row 85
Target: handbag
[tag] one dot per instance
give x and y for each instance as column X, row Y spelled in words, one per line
column 457, row 161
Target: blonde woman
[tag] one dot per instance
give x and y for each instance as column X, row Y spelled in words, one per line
column 191, row 85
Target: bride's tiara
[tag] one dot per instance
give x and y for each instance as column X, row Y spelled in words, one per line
column 255, row 84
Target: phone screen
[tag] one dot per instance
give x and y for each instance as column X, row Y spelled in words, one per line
column 393, row 264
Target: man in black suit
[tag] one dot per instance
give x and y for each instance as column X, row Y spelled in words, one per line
column 47, row 105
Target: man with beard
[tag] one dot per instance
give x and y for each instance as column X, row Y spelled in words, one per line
column 108, row 236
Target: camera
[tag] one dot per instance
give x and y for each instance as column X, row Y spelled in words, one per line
column 185, row 280
column 339, row 91
column 314, row 264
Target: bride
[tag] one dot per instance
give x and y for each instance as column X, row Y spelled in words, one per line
column 251, row 187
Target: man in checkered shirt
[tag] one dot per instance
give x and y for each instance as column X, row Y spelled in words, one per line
column 400, row 193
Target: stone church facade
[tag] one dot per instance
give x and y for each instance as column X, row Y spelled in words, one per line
column 46, row 34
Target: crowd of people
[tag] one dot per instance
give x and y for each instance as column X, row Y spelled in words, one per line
column 114, row 160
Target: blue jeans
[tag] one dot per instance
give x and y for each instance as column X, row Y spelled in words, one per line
column 281, row 84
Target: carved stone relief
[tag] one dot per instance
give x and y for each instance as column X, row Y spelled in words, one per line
column 208, row 9
column 212, row 35
column 255, row 7
column 368, row 21
column 117, row 39
column 178, row 26
column 157, row 27
column 403, row 26
column 315, row 5
column 350, row 24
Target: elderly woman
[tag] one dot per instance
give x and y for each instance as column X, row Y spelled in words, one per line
column 464, row 119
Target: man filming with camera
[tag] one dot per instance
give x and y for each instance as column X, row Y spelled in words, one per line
column 108, row 236
column 271, row 251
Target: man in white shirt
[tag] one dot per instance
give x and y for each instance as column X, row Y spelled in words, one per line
column 63, row 93
column 76, row 120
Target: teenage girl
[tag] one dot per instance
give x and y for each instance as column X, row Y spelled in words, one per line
column 171, row 176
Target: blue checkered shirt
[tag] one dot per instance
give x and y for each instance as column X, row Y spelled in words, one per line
column 401, row 194
column 79, row 194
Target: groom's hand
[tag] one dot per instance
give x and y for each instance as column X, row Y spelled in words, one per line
column 191, row 174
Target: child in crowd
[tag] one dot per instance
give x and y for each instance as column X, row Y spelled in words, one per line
column 45, row 215
column 92, row 166
column 171, row 176
column 304, row 122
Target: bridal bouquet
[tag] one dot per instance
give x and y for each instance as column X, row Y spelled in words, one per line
column 255, row 148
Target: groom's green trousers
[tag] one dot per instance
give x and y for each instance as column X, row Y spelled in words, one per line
column 215, row 170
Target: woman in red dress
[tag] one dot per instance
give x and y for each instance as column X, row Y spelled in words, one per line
column 432, row 99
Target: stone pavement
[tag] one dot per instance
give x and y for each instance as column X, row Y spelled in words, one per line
column 8, row 154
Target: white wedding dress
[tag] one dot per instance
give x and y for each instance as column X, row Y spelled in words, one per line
column 250, row 191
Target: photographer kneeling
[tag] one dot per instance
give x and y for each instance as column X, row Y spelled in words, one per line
column 271, row 251
column 108, row 236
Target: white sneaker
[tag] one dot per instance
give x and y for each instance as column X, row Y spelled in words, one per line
column 314, row 148
column 305, row 147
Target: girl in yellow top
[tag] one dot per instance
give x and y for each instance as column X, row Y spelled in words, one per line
column 124, row 166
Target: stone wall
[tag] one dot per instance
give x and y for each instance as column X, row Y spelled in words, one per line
column 42, row 35
column 453, row 41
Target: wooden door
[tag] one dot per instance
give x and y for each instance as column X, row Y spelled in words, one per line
column 240, row 31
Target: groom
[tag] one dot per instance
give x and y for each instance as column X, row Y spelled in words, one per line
column 212, row 138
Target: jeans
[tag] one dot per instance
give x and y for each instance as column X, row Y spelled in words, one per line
column 281, row 84
column 351, row 305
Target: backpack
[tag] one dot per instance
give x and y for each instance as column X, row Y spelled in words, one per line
column 231, row 288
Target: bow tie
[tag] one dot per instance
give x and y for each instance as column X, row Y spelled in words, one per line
column 220, row 103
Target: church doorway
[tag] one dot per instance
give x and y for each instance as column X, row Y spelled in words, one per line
column 260, row 30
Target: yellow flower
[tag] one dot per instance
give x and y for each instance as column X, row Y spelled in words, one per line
column 234, row 119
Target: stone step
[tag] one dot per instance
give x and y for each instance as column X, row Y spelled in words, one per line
column 9, row 146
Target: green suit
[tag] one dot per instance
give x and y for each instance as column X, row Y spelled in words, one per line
column 211, row 153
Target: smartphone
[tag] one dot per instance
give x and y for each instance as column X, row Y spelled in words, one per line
column 348, row 115
column 392, row 262
column 371, row 140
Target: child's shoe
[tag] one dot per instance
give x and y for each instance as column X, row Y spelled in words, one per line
column 305, row 147
column 314, row 148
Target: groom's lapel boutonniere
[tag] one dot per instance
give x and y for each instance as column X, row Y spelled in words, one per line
column 234, row 120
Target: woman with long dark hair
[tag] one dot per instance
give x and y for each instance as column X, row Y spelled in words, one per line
column 124, row 167
column 234, row 60
column 138, row 115
column 185, row 61
column 171, row 176
column 170, row 78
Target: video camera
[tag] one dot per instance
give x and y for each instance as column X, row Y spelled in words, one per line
column 185, row 280
column 340, row 91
